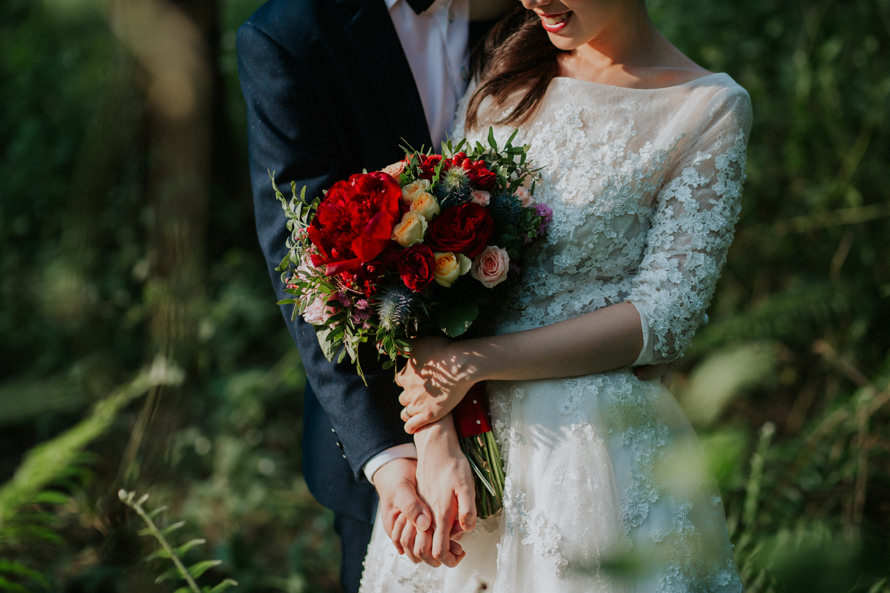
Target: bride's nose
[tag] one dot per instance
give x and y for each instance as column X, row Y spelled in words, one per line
column 532, row 4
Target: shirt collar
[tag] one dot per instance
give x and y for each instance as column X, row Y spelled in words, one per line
column 436, row 4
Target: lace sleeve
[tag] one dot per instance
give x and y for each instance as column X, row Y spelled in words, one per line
column 691, row 229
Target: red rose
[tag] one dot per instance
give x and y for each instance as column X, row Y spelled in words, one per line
column 417, row 266
column 354, row 221
column 428, row 165
column 461, row 229
column 480, row 175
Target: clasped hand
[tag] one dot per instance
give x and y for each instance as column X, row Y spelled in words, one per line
column 434, row 381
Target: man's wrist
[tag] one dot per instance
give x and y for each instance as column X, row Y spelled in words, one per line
column 405, row 450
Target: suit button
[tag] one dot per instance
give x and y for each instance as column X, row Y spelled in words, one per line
column 339, row 444
column 343, row 456
column 333, row 431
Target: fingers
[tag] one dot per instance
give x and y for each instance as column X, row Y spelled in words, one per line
column 414, row 510
column 456, row 551
column 466, row 506
column 418, row 421
column 396, row 533
column 422, row 549
column 407, row 540
column 389, row 519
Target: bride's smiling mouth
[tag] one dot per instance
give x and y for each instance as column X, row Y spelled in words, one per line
column 556, row 22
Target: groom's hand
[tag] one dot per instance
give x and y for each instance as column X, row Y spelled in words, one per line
column 396, row 483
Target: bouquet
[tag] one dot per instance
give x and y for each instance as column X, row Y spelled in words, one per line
column 417, row 249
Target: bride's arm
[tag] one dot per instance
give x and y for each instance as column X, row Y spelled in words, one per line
column 441, row 372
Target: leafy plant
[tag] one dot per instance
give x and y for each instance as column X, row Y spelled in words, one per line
column 188, row 574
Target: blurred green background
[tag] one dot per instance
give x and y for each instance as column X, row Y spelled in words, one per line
column 127, row 241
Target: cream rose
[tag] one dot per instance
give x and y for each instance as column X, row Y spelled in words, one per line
column 414, row 189
column 449, row 267
column 491, row 266
column 410, row 230
column 426, row 205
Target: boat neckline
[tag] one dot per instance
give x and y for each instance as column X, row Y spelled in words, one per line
column 631, row 88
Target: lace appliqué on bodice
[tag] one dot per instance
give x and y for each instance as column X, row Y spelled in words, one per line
column 639, row 217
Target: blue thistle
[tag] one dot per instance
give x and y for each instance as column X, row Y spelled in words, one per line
column 505, row 209
column 396, row 306
column 453, row 188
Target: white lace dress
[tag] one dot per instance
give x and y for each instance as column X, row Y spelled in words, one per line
column 604, row 470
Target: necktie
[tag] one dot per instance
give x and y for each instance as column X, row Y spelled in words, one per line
column 419, row 6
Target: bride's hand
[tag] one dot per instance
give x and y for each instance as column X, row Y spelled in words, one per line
column 445, row 482
column 433, row 382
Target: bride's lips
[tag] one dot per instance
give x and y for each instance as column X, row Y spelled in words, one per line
column 556, row 22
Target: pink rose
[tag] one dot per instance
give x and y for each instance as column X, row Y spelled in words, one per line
column 318, row 312
column 480, row 196
column 491, row 266
column 524, row 196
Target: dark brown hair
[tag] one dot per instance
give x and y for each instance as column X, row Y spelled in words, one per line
column 517, row 56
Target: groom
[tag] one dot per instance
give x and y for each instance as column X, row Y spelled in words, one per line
column 333, row 87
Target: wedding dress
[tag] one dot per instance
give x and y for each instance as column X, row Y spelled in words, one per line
column 604, row 470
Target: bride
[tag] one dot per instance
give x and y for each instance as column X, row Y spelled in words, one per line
column 642, row 154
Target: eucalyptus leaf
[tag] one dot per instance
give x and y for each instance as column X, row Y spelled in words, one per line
column 455, row 321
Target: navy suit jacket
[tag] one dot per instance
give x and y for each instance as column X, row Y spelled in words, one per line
column 329, row 92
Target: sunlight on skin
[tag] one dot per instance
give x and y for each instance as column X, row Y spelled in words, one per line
column 440, row 372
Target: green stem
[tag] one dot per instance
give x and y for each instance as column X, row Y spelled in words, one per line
column 137, row 506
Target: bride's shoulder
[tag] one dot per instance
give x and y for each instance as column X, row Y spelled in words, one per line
column 726, row 96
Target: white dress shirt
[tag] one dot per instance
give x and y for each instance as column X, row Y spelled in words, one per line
column 435, row 43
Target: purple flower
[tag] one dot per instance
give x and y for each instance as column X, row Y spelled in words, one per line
column 546, row 214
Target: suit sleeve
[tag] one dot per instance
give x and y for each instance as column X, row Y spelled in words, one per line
column 289, row 132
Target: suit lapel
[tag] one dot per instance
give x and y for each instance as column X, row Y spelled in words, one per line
column 373, row 39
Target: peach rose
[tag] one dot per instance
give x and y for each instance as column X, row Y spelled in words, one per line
column 481, row 197
column 410, row 230
column 449, row 267
column 524, row 196
column 395, row 170
column 414, row 189
column 426, row 205
column 491, row 266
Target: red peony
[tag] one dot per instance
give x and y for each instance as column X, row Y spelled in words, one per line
column 461, row 229
column 354, row 221
column 417, row 267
